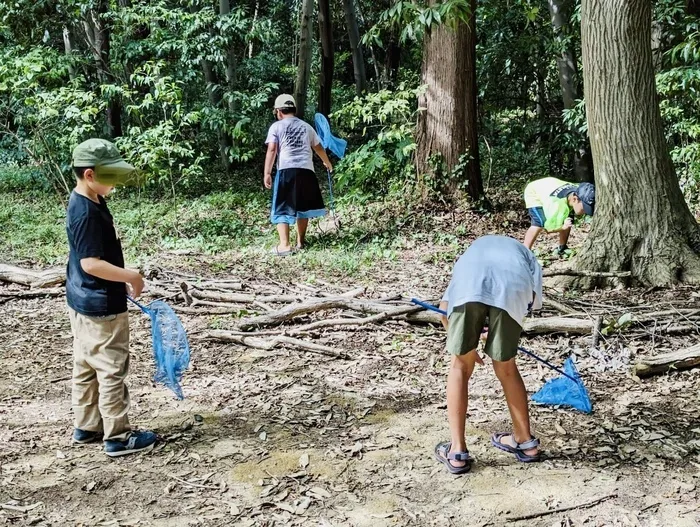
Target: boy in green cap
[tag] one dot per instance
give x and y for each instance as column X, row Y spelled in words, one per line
column 96, row 289
column 552, row 205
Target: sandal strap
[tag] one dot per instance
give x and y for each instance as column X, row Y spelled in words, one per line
column 533, row 442
column 459, row 456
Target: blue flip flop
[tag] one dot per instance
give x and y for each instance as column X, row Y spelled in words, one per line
column 443, row 456
column 518, row 449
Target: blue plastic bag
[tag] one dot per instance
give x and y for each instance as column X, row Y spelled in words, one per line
column 328, row 140
column 565, row 392
column 171, row 350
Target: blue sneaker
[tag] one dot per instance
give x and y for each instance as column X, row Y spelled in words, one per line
column 84, row 437
column 141, row 441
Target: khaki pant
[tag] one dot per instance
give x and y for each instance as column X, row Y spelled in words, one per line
column 100, row 363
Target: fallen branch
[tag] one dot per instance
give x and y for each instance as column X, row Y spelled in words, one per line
column 562, row 308
column 19, row 508
column 532, row 326
column 560, row 509
column 591, row 274
column 276, row 318
column 677, row 360
column 271, row 343
column 35, row 279
column 379, row 317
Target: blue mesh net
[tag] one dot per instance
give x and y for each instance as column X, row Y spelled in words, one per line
column 565, row 392
column 328, row 140
column 171, row 351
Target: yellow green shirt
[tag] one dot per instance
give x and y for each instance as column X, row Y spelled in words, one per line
column 551, row 194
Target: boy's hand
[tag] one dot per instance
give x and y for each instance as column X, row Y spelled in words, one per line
column 568, row 223
column 329, row 166
column 267, row 180
column 136, row 284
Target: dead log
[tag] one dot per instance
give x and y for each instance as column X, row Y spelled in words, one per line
column 45, row 293
column 562, row 308
column 239, row 298
column 532, row 326
column 676, row 360
column 34, row 279
column 271, row 343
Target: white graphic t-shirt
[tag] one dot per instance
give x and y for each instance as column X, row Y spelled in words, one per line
column 294, row 138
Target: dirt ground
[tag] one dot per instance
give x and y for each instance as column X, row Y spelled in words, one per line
column 290, row 438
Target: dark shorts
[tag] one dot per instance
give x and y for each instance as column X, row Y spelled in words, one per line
column 296, row 194
column 537, row 218
column 467, row 321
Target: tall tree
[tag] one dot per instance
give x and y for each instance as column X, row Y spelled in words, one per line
column 304, row 65
column 560, row 13
column 224, row 11
column 642, row 223
column 97, row 34
column 358, row 60
column 327, row 57
column 447, row 126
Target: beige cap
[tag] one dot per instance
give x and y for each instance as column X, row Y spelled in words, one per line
column 285, row 101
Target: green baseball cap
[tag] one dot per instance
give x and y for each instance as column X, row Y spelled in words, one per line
column 103, row 156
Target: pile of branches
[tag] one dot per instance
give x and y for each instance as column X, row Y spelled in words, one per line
column 298, row 315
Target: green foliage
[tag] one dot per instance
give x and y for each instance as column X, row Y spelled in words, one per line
column 382, row 124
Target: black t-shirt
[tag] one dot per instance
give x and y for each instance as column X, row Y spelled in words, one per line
column 91, row 234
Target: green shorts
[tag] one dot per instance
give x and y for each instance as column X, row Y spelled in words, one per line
column 467, row 321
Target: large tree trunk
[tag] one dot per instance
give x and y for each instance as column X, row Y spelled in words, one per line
column 560, row 12
column 358, row 60
column 642, row 223
column 447, row 126
column 304, row 66
column 327, row 57
column 97, row 34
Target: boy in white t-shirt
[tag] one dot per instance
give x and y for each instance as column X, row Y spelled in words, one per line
column 296, row 196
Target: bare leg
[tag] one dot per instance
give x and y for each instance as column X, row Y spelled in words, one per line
column 283, row 231
column 564, row 236
column 531, row 236
column 457, row 392
column 302, row 225
column 516, row 397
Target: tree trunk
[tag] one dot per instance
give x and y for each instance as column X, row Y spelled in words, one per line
column 475, row 187
column 392, row 60
column 304, row 66
column 68, row 49
column 358, row 60
column 327, row 60
column 214, row 94
column 560, row 12
column 447, row 126
column 642, row 223
column 224, row 11
column 98, row 37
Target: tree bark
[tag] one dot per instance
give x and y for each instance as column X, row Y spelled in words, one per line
column 327, row 57
column 304, row 65
column 475, row 186
column 676, row 360
column 68, row 50
column 392, row 59
column 560, row 13
column 224, row 11
column 358, row 60
column 97, row 33
column 447, row 125
column 642, row 223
